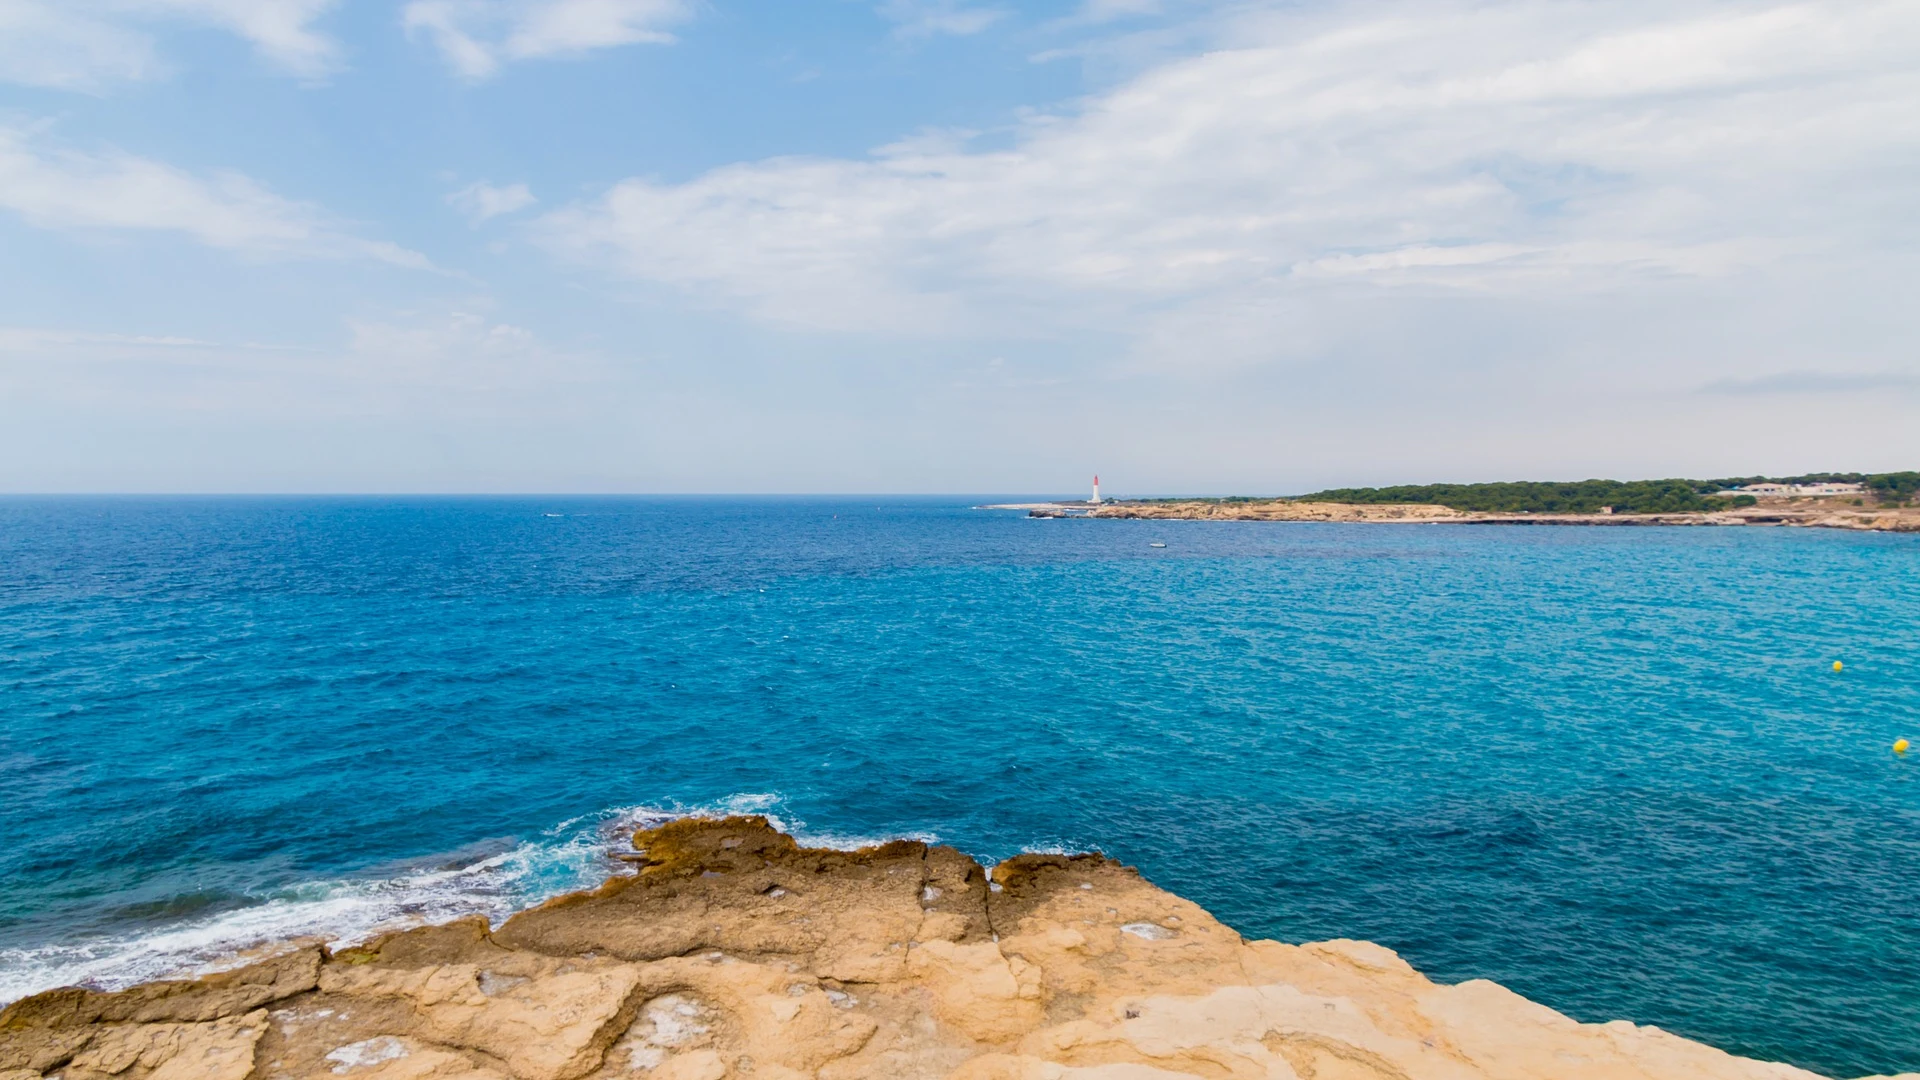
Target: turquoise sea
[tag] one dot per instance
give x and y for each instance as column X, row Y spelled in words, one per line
column 1612, row 769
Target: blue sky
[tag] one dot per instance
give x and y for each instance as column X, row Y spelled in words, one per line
column 951, row 245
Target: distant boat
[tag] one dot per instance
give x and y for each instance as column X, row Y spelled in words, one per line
column 553, row 515
column 1156, row 543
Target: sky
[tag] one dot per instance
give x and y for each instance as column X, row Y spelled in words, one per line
column 926, row 246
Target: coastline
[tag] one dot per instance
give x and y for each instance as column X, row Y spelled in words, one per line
column 734, row 951
column 1799, row 513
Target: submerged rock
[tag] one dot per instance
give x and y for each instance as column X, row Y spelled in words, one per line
column 734, row 952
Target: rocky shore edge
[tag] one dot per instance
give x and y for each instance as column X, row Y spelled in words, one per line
column 1829, row 516
column 734, row 952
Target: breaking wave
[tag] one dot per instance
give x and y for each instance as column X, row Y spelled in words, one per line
column 573, row 855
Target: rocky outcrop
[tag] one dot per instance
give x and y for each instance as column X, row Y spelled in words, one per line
column 1815, row 513
column 1278, row 510
column 734, row 952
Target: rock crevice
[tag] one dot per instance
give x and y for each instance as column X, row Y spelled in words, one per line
column 734, row 952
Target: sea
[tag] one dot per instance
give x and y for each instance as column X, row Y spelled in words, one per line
column 1614, row 769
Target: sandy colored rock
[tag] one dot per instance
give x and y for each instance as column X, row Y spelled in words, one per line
column 733, row 952
column 1278, row 510
column 1803, row 512
column 390, row 1058
column 218, row 1050
column 545, row 1022
column 183, row 1001
column 988, row 994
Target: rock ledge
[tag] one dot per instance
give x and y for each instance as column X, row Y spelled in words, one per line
column 734, row 952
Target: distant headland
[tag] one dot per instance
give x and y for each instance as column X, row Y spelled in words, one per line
column 1881, row 502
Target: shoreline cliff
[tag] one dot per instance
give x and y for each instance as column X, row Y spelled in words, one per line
column 1801, row 513
column 734, row 952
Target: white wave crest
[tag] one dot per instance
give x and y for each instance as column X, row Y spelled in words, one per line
column 575, row 854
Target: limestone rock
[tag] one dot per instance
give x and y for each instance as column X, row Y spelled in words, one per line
column 390, row 1058
column 549, row 1026
column 218, row 1050
column 228, row 993
column 732, row 952
column 1799, row 512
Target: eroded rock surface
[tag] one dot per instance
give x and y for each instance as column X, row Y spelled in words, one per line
column 1806, row 512
column 733, row 952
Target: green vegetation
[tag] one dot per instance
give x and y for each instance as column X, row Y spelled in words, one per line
column 1580, row 497
column 1894, row 487
column 1625, row 496
column 1208, row 500
column 1889, row 489
column 1588, row 496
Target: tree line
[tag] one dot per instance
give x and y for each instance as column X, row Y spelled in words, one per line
column 1625, row 496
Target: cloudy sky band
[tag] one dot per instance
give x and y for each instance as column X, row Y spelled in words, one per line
column 1338, row 213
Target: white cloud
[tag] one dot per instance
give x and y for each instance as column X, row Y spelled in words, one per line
column 1508, row 149
column 37, row 340
column 929, row 18
column 461, row 351
column 61, row 188
column 1103, row 11
column 1802, row 383
column 54, row 45
column 281, row 30
column 477, row 36
column 87, row 44
column 419, row 366
column 481, row 201
column 1115, row 9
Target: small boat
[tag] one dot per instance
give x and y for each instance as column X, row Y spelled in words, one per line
column 1156, row 543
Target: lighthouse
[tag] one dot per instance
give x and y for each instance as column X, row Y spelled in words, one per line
column 1096, row 490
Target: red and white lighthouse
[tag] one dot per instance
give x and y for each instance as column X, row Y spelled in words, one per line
column 1096, row 490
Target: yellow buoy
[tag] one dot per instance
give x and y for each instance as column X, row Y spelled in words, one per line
column 1899, row 746
column 1837, row 665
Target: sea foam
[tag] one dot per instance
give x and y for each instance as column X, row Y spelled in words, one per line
column 576, row 854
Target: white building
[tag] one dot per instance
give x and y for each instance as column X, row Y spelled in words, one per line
column 1096, row 490
column 1829, row 489
column 1800, row 490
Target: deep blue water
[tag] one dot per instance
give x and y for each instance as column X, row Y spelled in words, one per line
column 1609, row 768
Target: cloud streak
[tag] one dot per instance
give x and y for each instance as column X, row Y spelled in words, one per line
column 932, row 18
column 56, row 187
column 481, row 201
column 1798, row 383
column 281, row 30
column 91, row 44
column 476, row 37
column 1520, row 149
